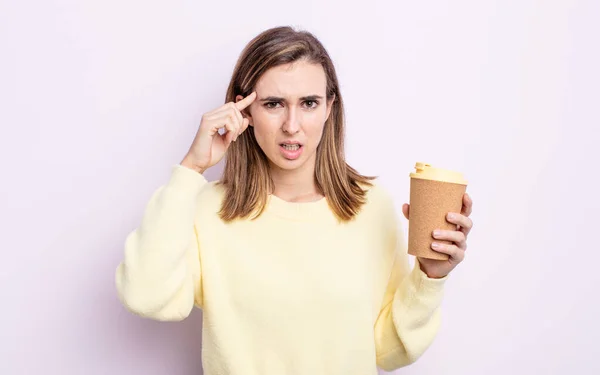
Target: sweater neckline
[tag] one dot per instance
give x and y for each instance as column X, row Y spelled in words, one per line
column 313, row 210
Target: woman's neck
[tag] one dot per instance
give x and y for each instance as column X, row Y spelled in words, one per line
column 296, row 185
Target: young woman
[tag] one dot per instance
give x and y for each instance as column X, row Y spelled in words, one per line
column 297, row 261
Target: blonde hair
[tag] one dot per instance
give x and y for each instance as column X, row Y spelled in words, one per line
column 246, row 177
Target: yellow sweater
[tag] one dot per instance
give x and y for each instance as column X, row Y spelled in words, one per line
column 293, row 292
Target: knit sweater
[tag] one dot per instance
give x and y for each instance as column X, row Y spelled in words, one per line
column 294, row 291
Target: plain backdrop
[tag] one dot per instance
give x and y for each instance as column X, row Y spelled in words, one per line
column 98, row 99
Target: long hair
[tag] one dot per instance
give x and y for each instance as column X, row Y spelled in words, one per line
column 246, row 177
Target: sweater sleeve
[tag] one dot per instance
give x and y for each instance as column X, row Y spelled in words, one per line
column 410, row 317
column 159, row 276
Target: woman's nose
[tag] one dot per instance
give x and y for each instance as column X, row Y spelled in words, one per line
column 291, row 124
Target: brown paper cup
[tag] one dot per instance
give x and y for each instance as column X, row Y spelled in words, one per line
column 433, row 194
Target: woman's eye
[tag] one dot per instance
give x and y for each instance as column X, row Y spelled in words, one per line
column 311, row 103
column 271, row 105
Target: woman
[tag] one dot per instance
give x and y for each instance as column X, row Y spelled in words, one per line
column 297, row 261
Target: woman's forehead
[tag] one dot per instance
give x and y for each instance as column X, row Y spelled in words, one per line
column 292, row 81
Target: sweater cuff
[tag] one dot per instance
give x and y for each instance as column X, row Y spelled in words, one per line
column 430, row 288
column 186, row 180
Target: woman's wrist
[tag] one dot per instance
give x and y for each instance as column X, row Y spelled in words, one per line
column 188, row 164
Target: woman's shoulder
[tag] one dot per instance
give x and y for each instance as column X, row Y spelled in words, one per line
column 209, row 198
column 379, row 201
column 379, row 212
column 377, row 193
column 212, row 190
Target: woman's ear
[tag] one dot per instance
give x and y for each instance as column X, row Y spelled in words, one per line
column 246, row 111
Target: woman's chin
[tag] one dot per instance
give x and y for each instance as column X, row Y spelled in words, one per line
column 285, row 164
column 288, row 165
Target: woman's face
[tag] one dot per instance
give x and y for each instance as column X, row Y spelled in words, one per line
column 289, row 114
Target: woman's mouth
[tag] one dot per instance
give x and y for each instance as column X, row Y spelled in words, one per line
column 292, row 147
column 291, row 151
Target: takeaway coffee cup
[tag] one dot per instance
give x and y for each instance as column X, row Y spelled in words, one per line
column 433, row 193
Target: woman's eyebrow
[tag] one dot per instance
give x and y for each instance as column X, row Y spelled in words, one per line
column 279, row 99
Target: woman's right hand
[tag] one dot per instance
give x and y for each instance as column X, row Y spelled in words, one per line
column 209, row 147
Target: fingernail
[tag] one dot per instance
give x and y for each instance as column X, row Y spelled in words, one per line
column 451, row 216
column 435, row 245
column 436, row 233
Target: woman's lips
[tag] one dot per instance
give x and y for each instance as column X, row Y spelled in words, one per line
column 291, row 151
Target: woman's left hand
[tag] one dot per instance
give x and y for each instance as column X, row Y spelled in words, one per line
column 435, row 268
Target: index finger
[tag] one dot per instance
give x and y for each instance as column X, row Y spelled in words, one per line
column 246, row 101
column 467, row 205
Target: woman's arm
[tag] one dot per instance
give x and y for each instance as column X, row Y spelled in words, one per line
column 410, row 317
column 159, row 277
